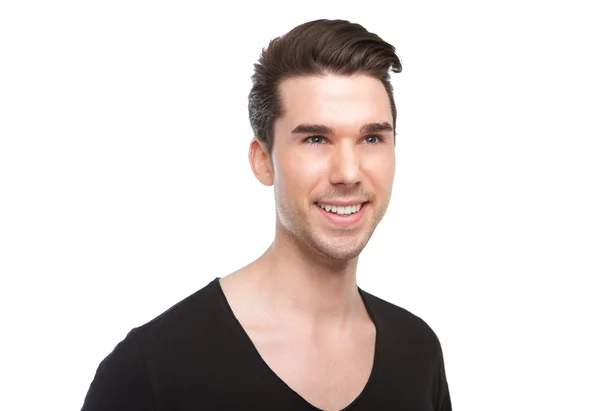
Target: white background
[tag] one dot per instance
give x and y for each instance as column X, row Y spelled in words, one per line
column 125, row 185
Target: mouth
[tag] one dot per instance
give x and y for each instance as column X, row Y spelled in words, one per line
column 341, row 210
column 342, row 215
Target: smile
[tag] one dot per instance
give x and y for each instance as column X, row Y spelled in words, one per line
column 347, row 216
column 341, row 210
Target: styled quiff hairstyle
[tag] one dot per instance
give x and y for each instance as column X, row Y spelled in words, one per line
column 318, row 47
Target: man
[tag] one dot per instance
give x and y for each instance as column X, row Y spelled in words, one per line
column 292, row 330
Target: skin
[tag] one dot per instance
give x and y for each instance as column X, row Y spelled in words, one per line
column 299, row 301
column 345, row 164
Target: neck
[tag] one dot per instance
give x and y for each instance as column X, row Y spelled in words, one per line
column 307, row 287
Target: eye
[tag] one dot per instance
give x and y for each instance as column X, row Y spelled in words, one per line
column 315, row 139
column 373, row 139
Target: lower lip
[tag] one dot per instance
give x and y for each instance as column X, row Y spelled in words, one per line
column 344, row 220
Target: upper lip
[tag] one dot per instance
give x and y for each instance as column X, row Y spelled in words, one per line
column 342, row 202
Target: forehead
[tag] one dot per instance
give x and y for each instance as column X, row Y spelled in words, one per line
column 341, row 102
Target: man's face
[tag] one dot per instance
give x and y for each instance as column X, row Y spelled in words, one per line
column 333, row 162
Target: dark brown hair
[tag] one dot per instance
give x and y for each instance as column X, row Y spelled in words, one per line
column 316, row 48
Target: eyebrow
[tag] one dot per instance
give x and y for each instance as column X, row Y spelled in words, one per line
column 323, row 129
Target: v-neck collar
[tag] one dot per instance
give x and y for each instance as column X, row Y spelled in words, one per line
column 276, row 377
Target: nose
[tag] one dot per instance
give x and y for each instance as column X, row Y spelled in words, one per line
column 345, row 165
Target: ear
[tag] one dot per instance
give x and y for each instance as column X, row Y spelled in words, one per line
column 260, row 161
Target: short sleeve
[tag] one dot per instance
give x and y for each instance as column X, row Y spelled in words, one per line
column 441, row 392
column 121, row 381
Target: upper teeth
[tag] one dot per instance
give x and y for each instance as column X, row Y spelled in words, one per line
column 340, row 209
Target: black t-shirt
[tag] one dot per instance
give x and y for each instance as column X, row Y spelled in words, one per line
column 196, row 356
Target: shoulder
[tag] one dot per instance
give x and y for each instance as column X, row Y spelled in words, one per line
column 198, row 311
column 400, row 325
column 120, row 380
column 135, row 369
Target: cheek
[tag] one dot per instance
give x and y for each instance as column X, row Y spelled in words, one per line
column 296, row 176
column 381, row 171
column 390, row 169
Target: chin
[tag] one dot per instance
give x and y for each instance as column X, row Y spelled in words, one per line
column 339, row 250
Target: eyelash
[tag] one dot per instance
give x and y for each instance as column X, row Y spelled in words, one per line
column 307, row 139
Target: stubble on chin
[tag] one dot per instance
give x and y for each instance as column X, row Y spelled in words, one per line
column 327, row 245
column 334, row 246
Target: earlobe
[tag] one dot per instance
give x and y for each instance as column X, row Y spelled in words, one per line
column 260, row 161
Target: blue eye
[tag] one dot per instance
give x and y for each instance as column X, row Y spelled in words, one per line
column 315, row 139
column 372, row 139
